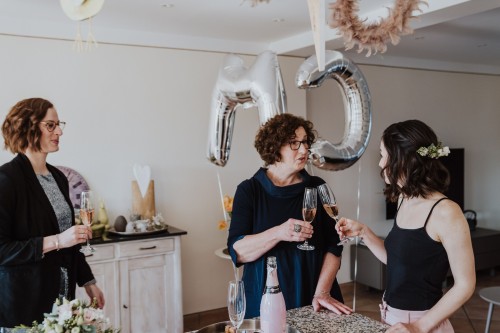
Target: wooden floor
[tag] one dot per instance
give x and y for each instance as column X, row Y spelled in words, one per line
column 471, row 318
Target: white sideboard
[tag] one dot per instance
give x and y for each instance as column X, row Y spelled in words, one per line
column 141, row 281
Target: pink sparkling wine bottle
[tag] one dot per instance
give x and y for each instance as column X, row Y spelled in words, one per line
column 272, row 305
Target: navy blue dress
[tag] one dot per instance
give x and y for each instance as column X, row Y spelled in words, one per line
column 260, row 205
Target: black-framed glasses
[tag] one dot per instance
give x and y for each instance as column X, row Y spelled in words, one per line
column 51, row 125
column 295, row 145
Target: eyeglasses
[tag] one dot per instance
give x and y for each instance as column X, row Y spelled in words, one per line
column 295, row 145
column 51, row 125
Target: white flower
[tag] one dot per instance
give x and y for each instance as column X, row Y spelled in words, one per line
column 434, row 151
column 65, row 313
column 75, row 330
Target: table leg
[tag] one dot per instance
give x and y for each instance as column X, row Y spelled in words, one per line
column 488, row 319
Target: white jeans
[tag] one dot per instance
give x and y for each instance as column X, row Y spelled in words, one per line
column 393, row 316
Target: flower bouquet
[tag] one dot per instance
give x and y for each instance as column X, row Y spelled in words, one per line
column 73, row 316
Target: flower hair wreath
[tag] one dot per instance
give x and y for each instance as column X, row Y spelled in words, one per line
column 434, row 151
column 374, row 35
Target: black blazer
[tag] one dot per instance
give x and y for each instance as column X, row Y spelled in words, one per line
column 29, row 281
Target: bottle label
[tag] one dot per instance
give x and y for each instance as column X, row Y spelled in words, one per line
column 273, row 290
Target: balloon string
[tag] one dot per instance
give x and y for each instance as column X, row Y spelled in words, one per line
column 310, row 167
column 221, row 197
column 356, row 247
column 235, row 269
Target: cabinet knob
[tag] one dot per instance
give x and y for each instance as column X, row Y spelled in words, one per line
column 125, row 307
column 148, row 248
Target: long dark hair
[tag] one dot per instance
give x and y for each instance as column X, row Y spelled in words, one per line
column 409, row 173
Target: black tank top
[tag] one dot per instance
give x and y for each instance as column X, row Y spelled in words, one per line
column 416, row 267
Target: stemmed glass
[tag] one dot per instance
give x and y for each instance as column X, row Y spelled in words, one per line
column 236, row 303
column 309, row 212
column 87, row 216
column 332, row 209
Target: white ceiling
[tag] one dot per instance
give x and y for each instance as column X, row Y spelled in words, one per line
column 456, row 35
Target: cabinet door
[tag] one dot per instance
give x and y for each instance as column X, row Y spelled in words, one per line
column 107, row 280
column 148, row 295
column 370, row 271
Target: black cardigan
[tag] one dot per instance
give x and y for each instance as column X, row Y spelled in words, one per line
column 30, row 281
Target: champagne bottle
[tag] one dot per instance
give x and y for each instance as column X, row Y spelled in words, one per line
column 272, row 305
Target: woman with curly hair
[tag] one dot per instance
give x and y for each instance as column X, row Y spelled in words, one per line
column 267, row 221
column 430, row 234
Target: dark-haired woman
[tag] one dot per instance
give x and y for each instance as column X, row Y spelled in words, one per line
column 430, row 234
column 39, row 243
column 267, row 221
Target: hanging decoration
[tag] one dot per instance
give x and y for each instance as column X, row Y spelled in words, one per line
column 372, row 36
column 317, row 15
column 82, row 10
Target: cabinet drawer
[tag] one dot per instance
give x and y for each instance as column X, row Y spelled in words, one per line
column 146, row 247
column 102, row 252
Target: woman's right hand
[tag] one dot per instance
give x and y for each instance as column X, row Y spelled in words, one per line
column 349, row 228
column 289, row 230
column 77, row 234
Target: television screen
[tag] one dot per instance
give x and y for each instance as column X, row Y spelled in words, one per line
column 454, row 162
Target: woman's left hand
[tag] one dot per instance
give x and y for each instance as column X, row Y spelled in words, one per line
column 94, row 292
column 328, row 302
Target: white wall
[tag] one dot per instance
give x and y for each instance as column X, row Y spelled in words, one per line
column 463, row 109
column 127, row 105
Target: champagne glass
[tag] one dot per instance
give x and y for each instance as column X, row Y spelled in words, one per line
column 236, row 303
column 87, row 216
column 309, row 212
column 330, row 205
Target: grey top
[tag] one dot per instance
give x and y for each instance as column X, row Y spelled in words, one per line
column 63, row 214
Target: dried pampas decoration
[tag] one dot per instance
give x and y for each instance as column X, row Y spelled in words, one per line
column 375, row 35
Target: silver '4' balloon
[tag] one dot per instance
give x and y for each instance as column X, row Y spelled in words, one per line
column 261, row 85
column 357, row 105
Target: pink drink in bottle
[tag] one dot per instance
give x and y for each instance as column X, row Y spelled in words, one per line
column 272, row 305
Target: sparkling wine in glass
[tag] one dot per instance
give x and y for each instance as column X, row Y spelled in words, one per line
column 332, row 209
column 87, row 216
column 236, row 303
column 309, row 212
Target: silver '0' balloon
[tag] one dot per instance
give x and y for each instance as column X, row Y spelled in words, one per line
column 357, row 105
column 261, row 85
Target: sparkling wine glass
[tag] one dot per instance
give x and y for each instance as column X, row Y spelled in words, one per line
column 309, row 212
column 332, row 209
column 87, row 216
column 236, row 303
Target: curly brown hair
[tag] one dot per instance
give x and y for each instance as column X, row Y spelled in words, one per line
column 417, row 175
column 277, row 132
column 20, row 128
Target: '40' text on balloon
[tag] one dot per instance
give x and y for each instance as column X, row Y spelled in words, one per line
column 357, row 106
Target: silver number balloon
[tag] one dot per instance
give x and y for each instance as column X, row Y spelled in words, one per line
column 261, row 85
column 357, row 105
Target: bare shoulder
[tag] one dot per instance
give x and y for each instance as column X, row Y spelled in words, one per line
column 448, row 222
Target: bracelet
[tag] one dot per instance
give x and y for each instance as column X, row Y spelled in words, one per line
column 321, row 293
column 57, row 242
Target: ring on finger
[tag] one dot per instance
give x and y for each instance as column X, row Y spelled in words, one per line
column 297, row 227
